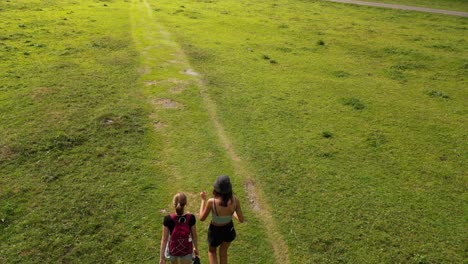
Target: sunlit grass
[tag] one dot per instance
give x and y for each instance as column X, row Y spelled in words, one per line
column 77, row 181
column 348, row 131
column 352, row 119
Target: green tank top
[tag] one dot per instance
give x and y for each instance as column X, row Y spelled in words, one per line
column 221, row 219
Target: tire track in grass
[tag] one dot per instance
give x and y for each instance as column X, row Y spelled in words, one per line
column 144, row 32
column 253, row 191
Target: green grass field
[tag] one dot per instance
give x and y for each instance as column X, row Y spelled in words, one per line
column 347, row 122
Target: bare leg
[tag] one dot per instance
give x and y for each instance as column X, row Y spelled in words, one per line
column 212, row 257
column 223, row 255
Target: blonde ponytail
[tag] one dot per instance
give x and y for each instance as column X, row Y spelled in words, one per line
column 179, row 201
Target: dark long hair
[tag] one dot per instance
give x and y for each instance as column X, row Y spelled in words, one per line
column 225, row 197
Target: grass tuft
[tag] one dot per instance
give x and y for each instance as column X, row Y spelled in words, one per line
column 326, row 155
column 376, row 139
column 353, row 102
column 434, row 93
column 327, row 134
column 341, row 74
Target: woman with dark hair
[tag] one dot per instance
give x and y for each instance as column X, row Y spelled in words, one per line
column 223, row 207
column 183, row 230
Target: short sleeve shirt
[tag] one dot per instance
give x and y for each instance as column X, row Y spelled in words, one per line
column 169, row 223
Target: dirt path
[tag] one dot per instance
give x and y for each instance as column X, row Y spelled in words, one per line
column 149, row 42
column 254, row 193
column 403, row 7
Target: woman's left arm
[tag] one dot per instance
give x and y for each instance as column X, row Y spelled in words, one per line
column 164, row 237
column 195, row 239
column 238, row 212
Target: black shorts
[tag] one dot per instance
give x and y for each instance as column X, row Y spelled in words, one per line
column 219, row 234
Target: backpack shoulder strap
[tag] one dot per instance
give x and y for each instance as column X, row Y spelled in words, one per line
column 187, row 220
column 174, row 218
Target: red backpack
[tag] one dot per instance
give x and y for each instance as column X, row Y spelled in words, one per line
column 180, row 243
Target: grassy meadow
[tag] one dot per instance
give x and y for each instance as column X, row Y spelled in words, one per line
column 77, row 181
column 351, row 121
column 89, row 164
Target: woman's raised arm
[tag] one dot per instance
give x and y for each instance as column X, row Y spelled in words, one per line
column 205, row 206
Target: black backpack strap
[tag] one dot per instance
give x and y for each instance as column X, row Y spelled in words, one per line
column 174, row 218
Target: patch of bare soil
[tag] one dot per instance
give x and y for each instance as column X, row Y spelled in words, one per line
column 167, row 103
column 6, row 153
column 250, row 188
column 144, row 70
column 108, row 121
column 178, row 89
column 40, row 92
column 178, row 86
column 174, row 61
column 158, row 125
column 148, row 83
column 55, row 115
column 191, row 72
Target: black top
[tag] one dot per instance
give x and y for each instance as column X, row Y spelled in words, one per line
column 169, row 223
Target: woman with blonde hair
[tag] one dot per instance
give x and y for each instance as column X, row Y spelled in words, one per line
column 181, row 227
column 223, row 207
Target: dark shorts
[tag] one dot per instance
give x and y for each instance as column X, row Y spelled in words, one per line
column 219, row 234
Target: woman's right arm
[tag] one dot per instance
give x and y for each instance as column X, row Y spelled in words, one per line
column 205, row 206
column 164, row 237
